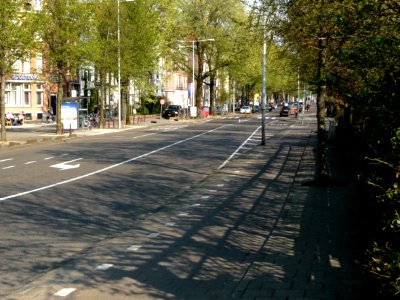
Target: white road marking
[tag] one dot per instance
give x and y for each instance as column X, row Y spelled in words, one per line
column 30, row 162
column 47, row 158
column 65, row 165
column 237, row 150
column 170, row 224
column 7, row 159
column 134, row 248
column 140, row 136
column 183, row 214
column 9, row 167
column 65, row 292
column 111, row 166
column 153, row 235
column 104, row 267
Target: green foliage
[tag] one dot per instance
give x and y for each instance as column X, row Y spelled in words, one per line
column 352, row 48
column 149, row 105
column 17, row 27
column 384, row 264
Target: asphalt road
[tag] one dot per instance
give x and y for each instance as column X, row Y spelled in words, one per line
column 60, row 202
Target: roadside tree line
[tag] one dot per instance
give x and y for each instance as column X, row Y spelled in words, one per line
column 347, row 52
column 75, row 34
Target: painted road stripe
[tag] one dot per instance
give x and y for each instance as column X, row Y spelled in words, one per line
column 9, row 167
column 140, row 136
column 104, row 267
column 134, row 248
column 7, row 159
column 111, row 166
column 65, row 292
column 238, row 149
column 153, row 235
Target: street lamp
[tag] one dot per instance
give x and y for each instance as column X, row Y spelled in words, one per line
column 119, row 62
column 194, row 41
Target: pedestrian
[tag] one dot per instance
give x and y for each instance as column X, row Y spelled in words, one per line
column 10, row 116
column 21, row 118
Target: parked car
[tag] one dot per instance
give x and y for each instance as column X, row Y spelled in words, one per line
column 221, row 110
column 284, row 111
column 245, row 109
column 172, row 111
column 256, row 108
column 205, row 111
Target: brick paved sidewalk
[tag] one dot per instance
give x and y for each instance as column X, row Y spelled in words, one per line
column 312, row 251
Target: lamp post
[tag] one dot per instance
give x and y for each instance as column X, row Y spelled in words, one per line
column 119, row 62
column 193, row 89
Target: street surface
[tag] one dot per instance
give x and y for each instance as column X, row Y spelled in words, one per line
column 137, row 214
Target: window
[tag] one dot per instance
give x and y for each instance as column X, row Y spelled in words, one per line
column 26, row 67
column 27, row 98
column 27, row 94
column 39, row 94
column 11, row 94
column 38, row 5
column 39, row 97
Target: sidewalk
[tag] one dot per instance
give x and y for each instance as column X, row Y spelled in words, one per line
column 262, row 234
column 313, row 250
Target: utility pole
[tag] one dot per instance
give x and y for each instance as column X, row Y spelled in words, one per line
column 264, row 85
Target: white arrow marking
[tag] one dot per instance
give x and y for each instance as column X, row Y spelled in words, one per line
column 64, row 165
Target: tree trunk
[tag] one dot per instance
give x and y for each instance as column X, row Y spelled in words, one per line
column 199, row 79
column 212, row 93
column 60, row 92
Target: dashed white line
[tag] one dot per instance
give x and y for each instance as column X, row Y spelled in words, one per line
column 7, row 159
column 134, row 248
column 9, row 167
column 153, row 235
column 104, row 267
column 65, row 292
column 140, row 136
column 30, row 162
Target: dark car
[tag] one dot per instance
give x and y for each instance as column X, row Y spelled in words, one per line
column 172, row 111
column 284, row 111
